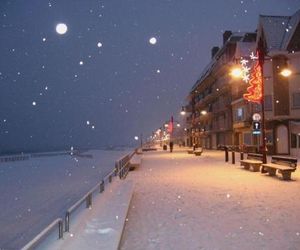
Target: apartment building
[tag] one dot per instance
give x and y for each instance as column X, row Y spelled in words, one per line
column 218, row 112
column 281, row 37
column 210, row 120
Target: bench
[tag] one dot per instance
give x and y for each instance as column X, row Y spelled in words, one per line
column 253, row 160
column 284, row 165
column 135, row 162
column 139, row 151
column 198, row 151
column 190, row 151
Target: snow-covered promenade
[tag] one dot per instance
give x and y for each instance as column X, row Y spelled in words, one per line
column 181, row 201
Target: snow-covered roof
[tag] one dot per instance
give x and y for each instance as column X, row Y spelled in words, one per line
column 277, row 30
column 291, row 28
column 273, row 29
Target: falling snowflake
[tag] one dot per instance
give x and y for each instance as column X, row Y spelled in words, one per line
column 99, row 45
column 152, row 40
column 61, row 28
column 33, row 103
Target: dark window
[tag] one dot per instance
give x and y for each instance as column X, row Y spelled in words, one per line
column 296, row 100
column 269, row 137
column 293, row 140
column 247, row 138
column 268, row 103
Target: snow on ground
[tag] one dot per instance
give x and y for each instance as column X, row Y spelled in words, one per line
column 186, row 202
column 37, row 191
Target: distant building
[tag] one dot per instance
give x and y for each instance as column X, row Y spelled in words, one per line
column 219, row 115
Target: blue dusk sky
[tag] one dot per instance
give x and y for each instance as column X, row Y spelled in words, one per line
column 103, row 82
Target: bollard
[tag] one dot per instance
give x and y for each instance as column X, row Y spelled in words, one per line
column 233, row 157
column 226, row 154
column 110, row 178
column 242, row 155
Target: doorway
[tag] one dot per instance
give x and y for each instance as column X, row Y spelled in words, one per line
column 282, row 141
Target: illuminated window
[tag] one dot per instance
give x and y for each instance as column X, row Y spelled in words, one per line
column 239, row 114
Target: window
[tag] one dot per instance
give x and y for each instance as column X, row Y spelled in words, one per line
column 293, row 141
column 239, row 114
column 247, row 138
column 268, row 103
column 296, row 100
column 269, row 137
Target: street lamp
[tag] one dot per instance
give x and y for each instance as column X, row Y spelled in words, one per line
column 182, row 112
column 236, row 72
column 203, row 112
column 286, row 72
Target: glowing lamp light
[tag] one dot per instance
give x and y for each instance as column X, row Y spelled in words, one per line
column 178, row 125
column 182, row 112
column 203, row 112
column 286, row 72
column 236, row 72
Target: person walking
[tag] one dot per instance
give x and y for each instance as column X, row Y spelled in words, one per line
column 171, row 146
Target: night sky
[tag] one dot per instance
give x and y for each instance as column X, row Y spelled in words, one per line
column 102, row 82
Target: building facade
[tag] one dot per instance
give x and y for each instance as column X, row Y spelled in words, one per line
column 210, row 100
column 219, row 115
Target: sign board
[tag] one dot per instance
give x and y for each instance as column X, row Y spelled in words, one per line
column 256, row 117
column 256, row 126
column 256, row 132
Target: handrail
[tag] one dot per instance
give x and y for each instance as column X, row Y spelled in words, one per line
column 121, row 169
column 37, row 239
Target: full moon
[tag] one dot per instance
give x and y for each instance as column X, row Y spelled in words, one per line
column 152, row 40
column 61, row 28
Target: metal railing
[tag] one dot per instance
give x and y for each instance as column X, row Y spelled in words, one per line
column 37, row 239
column 121, row 169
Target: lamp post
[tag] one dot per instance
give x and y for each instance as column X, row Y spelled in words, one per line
column 261, row 60
column 257, row 94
